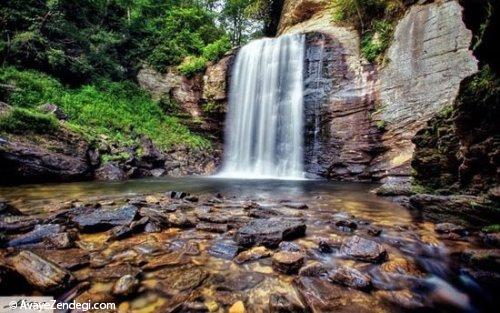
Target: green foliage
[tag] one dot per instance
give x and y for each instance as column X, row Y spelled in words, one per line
column 192, row 65
column 21, row 120
column 380, row 124
column 375, row 42
column 373, row 19
column 119, row 110
column 82, row 41
column 214, row 51
column 119, row 157
column 494, row 228
column 211, row 107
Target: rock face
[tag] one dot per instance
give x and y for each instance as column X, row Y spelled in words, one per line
column 61, row 157
column 422, row 77
column 360, row 118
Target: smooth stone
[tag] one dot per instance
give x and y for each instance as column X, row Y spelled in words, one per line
column 254, row 253
column 125, row 286
column 363, row 249
column 314, row 269
column 350, row 277
column 287, row 262
column 269, row 232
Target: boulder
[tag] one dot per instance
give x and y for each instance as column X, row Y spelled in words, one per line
column 41, row 273
column 269, row 232
column 50, row 108
column 363, row 249
column 288, row 262
column 110, row 171
column 350, row 277
column 98, row 219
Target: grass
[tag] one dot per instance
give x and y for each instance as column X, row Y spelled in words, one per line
column 119, row 111
column 22, row 120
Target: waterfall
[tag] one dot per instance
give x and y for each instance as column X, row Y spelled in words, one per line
column 264, row 126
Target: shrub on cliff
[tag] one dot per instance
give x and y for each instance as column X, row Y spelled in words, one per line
column 192, row 65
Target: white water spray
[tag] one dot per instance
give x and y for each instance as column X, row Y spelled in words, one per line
column 264, row 131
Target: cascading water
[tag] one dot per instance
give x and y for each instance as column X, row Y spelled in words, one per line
column 264, row 132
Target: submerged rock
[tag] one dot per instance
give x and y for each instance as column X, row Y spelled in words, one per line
column 314, row 269
column 363, row 249
column 288, row 262
column 181, row 279
column 125, row 286
column 6, row 209
column 41, row 273
column 254, row 253
column 350, row 277
column 98, row 219
column 225, row 249
column 170, row 259
column 285, row 303
column 269, row 232
column 446, row 228
column 403, row 298
column 212, row 227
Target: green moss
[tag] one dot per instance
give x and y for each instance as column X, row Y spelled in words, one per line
column 192, row 65
column 212, row 107
column 21, row 120
column 419, row 189
column 380, row 125
column 376, row 41
column 120, row 157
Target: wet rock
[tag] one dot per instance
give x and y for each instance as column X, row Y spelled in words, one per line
column 17, row 224
column 212, row 227
column 185, row 247
column 157, row 172
column 225, row 249
column 60, row 241
column 177, row 194
column 235, row 281
column 492, row 239
column 113, row 272
column 120, row 232
column 328, row 245
column 446, row 228
column 37, row 235
column 98, row 219
column 191, row 198
column 402, row 298
column 297, row 206
column 70, row 259
column 6, row 209
column 263, row 213
column 314, row 269
column 289, row 246
column 363, row 249
column 110, row 171
column 41, row 273
column 97, row 260
column 400, row 266
column 254, row 253
column 374, row 231
column 350, row 277
column 152, row 227
column 170, row 259
column 484, row 259
column 125, row 286
column 237, row 307
column 181, row 220
column 284, row 303
column 181, row 279
column 322, row 297
column 269, row 232
column 251, row 205
column 288, row 262
column 156, row 216
column 214, row 217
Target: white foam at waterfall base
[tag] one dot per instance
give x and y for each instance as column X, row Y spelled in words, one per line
column 264, row 124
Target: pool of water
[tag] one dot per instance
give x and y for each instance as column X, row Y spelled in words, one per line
column 403, row 235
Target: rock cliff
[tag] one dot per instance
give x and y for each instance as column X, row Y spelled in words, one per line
column 361, row 118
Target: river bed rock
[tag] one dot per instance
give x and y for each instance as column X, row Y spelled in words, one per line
column 288, row 262
column 252, row 254
column 37, row 235
column 269, row 232
column 41, row 273
column 363, row 249
column 350, row 277
column 125, row 286
column 98, row 219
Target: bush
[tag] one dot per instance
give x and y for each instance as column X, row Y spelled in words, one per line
column 214, row 51
column 21, row 120
column 192, row 65
column 119, row 110
column 375, row 42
